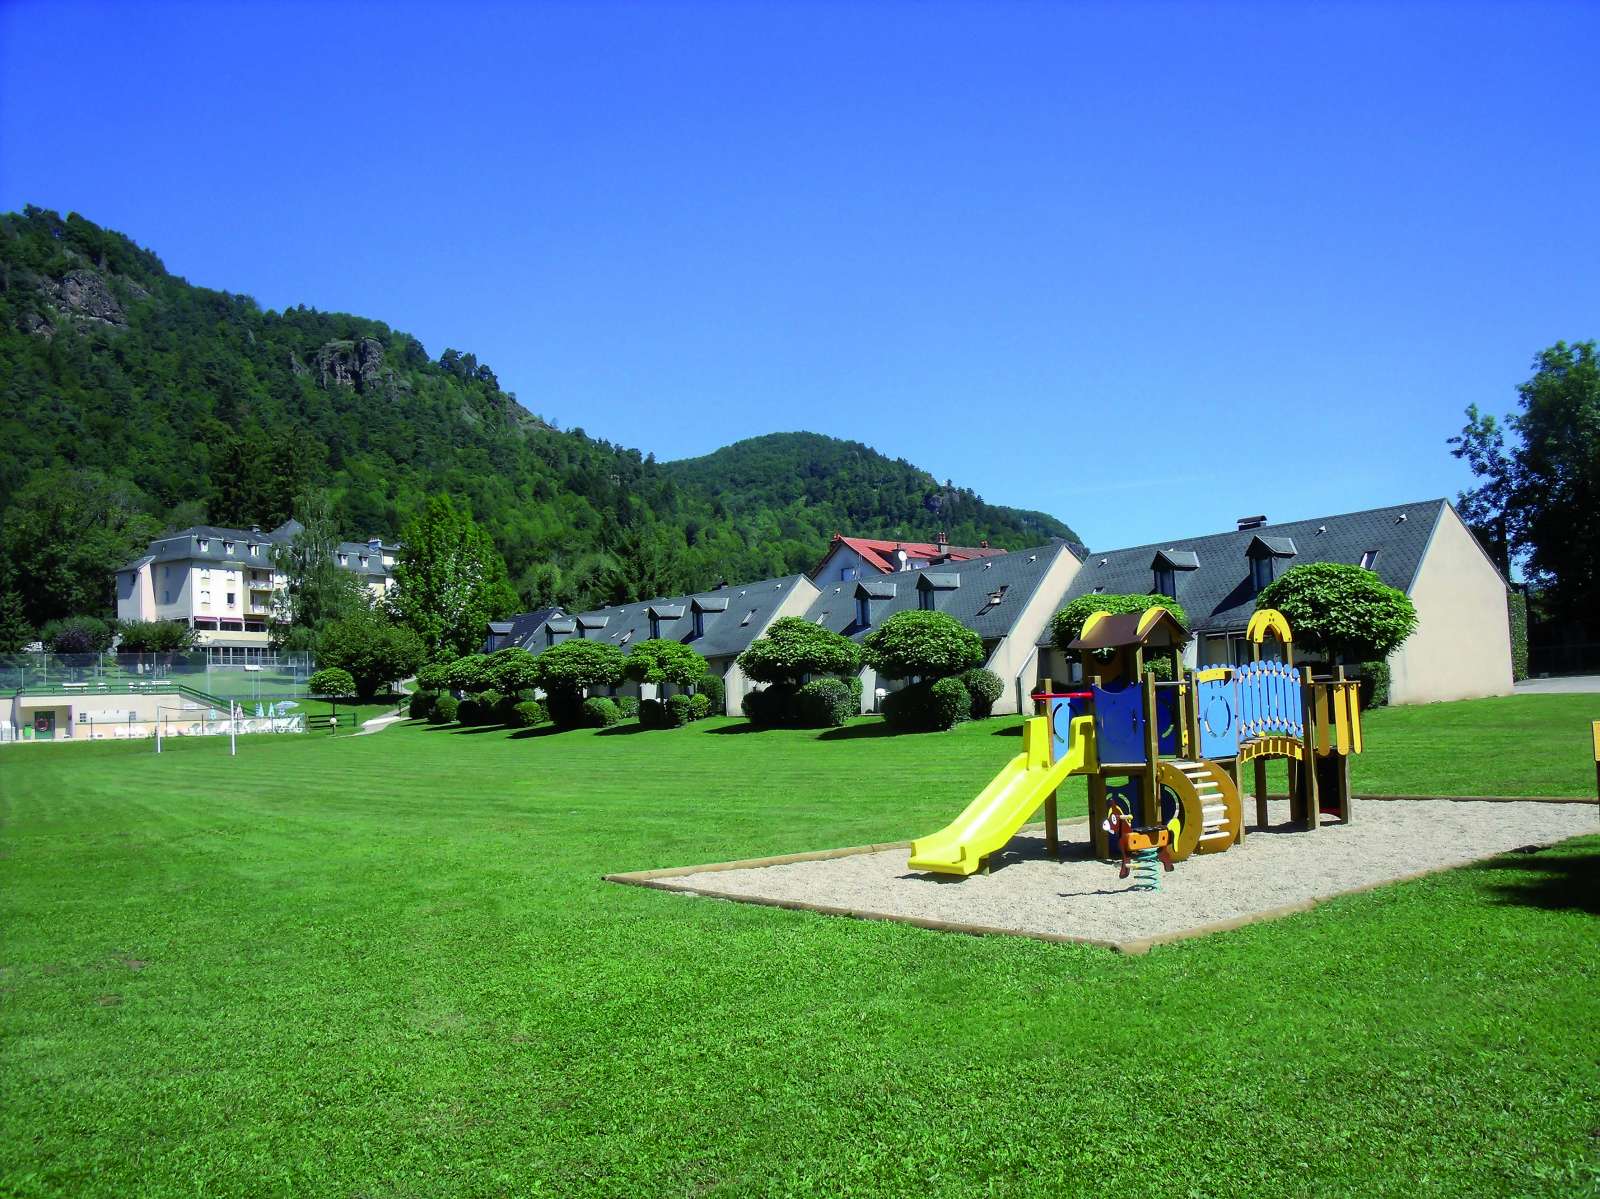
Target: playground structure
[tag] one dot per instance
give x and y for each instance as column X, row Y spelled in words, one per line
column 1167, row 755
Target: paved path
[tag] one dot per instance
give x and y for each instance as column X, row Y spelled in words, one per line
column 1568, row 685
column 377, row 724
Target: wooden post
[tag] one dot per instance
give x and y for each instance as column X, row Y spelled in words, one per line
column 1098, row 837
column 1052, row 826
column 1308, row 749
column 1596, row 731
column 1262, row 816
column 1150, row 808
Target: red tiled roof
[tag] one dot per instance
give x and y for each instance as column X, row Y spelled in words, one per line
column 880, row 554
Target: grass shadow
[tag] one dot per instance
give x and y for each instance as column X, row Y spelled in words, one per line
column 624, row 730
column 1553, row 879
column 1014, row 730
column 729, row 730
column 472, row 730
column 853, row 732
column 544, row 730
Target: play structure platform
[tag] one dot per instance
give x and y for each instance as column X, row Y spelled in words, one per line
column 1166, row 754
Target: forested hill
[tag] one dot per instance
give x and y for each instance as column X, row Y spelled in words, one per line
column 813, row 486
column 133, row 403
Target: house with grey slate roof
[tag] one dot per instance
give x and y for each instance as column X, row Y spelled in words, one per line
column 718, row 624
column 1007, row 599
column 1462, row 646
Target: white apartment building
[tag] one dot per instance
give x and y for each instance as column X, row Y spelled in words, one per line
column 222, row 582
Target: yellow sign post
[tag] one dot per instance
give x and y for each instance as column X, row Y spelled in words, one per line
column 1596, row 728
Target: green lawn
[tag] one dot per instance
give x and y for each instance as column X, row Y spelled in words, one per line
column 387, row 966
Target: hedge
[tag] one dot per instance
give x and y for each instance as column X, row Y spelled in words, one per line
column 420, row 705
column 444, row 710
column 1374, row 690
column 651, row 714
column 680, row 710
column 716, row 693
column 628, row 705
column 1517, row 612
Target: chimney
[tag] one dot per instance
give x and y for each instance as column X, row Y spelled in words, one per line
column 941, row 540
column 374, row 543
column 984, row 544
column 1251, row 522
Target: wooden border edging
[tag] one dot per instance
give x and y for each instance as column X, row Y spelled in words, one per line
column 661, row 880
column 1481, row 798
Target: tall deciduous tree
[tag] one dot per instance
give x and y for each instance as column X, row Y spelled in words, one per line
column 375, row 651
column 1539, row 500
column 449, row 580
column 318, row 591
column 15, row 631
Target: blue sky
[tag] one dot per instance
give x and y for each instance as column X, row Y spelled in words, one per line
column 1149, row 267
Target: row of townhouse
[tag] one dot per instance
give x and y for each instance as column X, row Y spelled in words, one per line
column 1461, row 649
column 224, row 584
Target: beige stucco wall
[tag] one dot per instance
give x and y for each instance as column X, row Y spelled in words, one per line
column 1015, row 658
column 1462, row 646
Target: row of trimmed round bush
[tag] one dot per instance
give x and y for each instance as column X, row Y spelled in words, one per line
column 522, row 711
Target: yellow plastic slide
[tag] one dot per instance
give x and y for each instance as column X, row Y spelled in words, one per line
column 1006, row 803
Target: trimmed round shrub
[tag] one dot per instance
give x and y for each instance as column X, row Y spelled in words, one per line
column 680, row 710
column 599, row 713
column 333, row 682
column 527, row 714
column 628, row 705
column 949, row 703
column 715, row 691
column 985, row 688
column 420, row 705
column 824, row 704
column 444, row 710
column 505, row 712
column 699, row 706
column 652, row 715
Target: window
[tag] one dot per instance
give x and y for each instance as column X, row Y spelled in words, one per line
column 699, row 623
column 205, row 572
column 205, row 544
column 1166, row 581
column 1368, row 558
column 655, row 625
column 227, row 547
column 1260, row 572
column 847, row 573
column 362, row 560
column 166, row 572
column 166, row 597
column 255, row 550
column 863, row 611
column 925, row 599
column 232, row 597
column 344, row 559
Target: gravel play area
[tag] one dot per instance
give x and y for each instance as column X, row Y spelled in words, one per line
column 1078, row 898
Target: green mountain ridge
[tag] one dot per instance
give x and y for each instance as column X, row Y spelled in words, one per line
column 133, row 402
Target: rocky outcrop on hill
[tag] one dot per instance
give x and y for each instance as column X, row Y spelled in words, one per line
column 357, row 364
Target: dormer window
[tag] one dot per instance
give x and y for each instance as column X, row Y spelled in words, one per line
column 1261, row 573
column 255, row 550
column 204, row 543
column 931, row 584
column 227, row 547
column 699, row 623
column 363, row 560
column 1264, row 553
column 655, row 626
column 1167, row 566
column 344, row 559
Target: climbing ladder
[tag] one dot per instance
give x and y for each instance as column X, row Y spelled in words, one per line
column 1209, row 803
